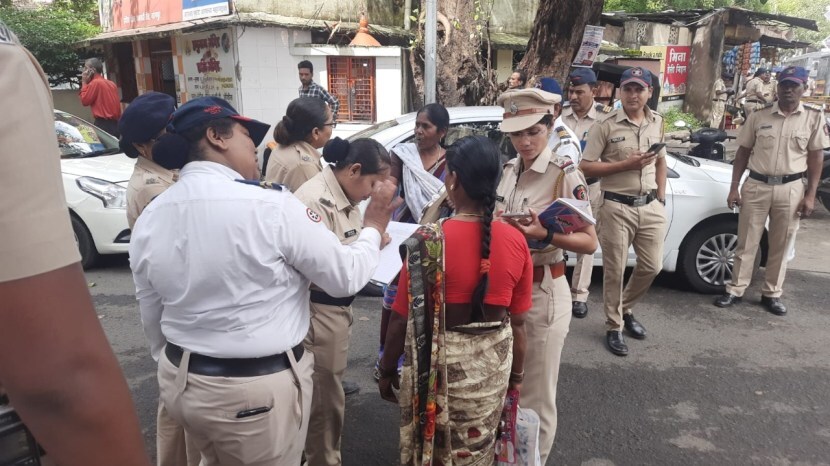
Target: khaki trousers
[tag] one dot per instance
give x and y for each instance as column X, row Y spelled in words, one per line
column 547, row 325
column 759, row 201
column 584, row 267
column 622, row 226
column 173, row 446
column 718, row 109
column 207, row 406
column 328, row 339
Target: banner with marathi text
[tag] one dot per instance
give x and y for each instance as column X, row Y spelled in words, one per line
column 118, row 15
column 208, row 65
column 674, row 66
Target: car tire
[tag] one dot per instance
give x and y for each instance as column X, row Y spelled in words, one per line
column 708, row 254
column 89, row 255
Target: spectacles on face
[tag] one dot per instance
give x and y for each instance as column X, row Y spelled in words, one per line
column 333, row 124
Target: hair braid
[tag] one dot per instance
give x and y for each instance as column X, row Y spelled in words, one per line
column 489, row 205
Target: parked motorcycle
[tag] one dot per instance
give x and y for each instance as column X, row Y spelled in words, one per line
column 709, row 142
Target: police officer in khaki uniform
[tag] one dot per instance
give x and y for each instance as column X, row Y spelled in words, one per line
column 580, row 116
column 305, row 128
column 140, row 125
column 632, row 211
column 722, row 89
column 760, row 91
column 779, row 144
column 55, row 361
column 334, row 195
column 529, row 184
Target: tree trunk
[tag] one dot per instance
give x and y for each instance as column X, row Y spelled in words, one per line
column 557, row 35
column 462, row 73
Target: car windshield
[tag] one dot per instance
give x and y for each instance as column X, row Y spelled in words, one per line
column 78, row 138
column 372, row 130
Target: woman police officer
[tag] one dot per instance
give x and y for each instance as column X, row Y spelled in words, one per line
column 529, row 184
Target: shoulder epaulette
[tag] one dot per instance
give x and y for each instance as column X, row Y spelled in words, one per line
column 263, row 184
column 603, row 108
column 326, row 202
column 565, row 163
column 562, row 132
column 815, row 107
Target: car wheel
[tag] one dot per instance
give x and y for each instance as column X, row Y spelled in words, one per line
column 708, row 256
column 89, row 255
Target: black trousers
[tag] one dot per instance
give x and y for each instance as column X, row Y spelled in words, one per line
column 110, row 126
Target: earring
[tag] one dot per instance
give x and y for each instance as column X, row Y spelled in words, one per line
column 452, row 187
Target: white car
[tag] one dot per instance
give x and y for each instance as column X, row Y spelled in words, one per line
column 95, row 175
column 702, row 234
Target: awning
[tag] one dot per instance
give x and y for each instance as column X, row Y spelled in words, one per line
column 690, row 17
column 239, row 19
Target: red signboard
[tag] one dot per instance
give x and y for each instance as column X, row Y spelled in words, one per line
column 117, row 15
column 677, row 69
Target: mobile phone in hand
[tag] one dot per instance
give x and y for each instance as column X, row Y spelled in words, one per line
column 656, row 147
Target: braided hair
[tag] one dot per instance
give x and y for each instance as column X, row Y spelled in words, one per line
column 476, row 162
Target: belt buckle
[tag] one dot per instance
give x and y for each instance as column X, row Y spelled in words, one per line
column 775, row 179
column 639, row 201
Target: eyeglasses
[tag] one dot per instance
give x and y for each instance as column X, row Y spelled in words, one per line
column 333, row 124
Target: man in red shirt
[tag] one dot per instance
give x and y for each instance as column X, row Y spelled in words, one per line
column 102, row 95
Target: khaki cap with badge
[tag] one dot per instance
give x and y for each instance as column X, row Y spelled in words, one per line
column 524, row 108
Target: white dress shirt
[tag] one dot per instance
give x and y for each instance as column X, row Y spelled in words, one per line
column 566, row 147
column 222, row 268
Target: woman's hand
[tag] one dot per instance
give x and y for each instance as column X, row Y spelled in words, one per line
column 385, row 385
column 532, row 228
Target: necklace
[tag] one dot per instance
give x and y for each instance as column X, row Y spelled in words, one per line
column 463, row 214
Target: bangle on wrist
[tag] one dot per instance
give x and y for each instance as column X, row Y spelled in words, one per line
column 548, row 237
column 517, row 377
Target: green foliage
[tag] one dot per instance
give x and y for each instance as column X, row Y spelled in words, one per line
column 649, row 6
column 672, row 115
column 50, row 34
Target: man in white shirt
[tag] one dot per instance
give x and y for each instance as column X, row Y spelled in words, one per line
column 222, row 272
column 562, row 140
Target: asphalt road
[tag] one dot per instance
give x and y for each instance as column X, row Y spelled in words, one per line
column 708, row 386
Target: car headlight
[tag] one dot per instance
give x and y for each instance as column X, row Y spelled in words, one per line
column 112, row 195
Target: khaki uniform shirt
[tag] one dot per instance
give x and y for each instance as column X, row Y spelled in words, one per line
column 149, row 179
column 548, row 178
column 780, row 143
column 293, row 165
column 720, row 86
column 34, row 219
column 580, row 126
column 615, row 139
column 758, row 85
column 323, row 195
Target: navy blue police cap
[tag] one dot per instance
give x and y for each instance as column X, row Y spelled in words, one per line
column 580, row 76
column 636, row 75
column 144, row 119
column 550, row 85
column 796, row 74
column 198, row 111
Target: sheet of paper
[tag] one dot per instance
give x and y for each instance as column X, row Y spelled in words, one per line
column 390, row 258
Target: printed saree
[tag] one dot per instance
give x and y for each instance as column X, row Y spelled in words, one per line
column 454, row 381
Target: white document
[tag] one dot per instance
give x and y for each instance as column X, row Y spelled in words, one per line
column 390, row 258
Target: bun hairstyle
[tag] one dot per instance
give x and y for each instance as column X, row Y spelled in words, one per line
column 301, row 117
column 476, row 161
column 370, row 154
column 173, row 150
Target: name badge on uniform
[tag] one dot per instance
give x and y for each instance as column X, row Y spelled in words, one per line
column 765, row 127
column 618, row 139
column 350, row 233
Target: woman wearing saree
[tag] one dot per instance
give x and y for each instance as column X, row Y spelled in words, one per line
column 459, row 319
column 419, row 168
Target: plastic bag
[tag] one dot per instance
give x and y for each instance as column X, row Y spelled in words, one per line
column 518, row 441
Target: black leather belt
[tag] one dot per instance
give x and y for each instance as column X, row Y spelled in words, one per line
column 230, row 367
column 635, row 201
column 321, row 297
column 592, row 180
column 784, row 179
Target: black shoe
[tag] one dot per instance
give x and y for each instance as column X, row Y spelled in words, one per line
column 616, row 343
column 774, row 305
column 634, row 328
column 579, row 309
column 349, row 388
column 727, row 300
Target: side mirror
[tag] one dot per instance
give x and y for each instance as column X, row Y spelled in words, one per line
column 679, row 124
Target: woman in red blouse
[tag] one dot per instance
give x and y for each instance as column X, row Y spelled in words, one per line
column 459, row 318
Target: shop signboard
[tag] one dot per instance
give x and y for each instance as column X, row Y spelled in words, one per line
column 208, row 65
column 118, row 15
column 674, row 68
